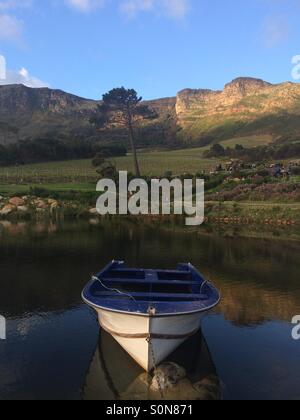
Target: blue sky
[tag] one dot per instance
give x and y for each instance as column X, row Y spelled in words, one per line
column 157, row 47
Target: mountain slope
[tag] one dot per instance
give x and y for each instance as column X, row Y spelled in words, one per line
column 32, row 113
column 27, row 113
column 245, row 107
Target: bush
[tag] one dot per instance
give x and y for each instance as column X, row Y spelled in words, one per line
column 39, row 192
column 295, row 170
column 283, row 192
column 168, row 174
column 214, row 182
column 263, row 172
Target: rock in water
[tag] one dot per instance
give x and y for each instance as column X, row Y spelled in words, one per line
column 170, row 383
column 23, row 209
column 93, row 211
column 8, row 209
column 40, row 204
column 167, row 376
column 209, row 388
column 17, row 201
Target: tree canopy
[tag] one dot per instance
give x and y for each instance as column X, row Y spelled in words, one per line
column 123, row 107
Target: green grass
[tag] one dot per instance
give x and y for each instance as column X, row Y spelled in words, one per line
column 25, row 189
column 178, row 162
column 82, row 172
column 187, row 160
column 248, row 142
column 67, row 172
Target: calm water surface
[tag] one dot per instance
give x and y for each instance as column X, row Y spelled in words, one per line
column 54, row 349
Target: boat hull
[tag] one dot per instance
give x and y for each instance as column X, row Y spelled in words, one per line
column 149, row 340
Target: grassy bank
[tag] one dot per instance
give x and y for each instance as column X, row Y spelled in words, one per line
column 255, row 219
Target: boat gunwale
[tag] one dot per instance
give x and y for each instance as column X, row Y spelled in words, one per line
column 148, row 315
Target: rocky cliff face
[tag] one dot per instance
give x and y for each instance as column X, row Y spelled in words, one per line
column 245, row 106
column 19, row 98
column 244, row 86
column 210, row 102
column 31, row 113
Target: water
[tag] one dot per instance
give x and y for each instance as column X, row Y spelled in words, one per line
column 54, row 349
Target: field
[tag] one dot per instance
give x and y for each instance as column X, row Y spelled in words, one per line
column 81, row 172
column 248, row 142
column 178, row 162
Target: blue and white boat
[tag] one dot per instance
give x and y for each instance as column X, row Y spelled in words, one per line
column 150, row 312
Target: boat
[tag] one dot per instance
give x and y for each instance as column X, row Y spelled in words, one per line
column 150, row 313
column 114, row 375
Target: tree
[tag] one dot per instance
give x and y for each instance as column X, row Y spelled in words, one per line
column 98, row 160
column 218, row 150
column 122, row 107
column 107, row 170
column 239, row 148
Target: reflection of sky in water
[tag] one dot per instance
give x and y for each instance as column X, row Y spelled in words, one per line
column 47, row 357
column 52, row 337
column 256, row 362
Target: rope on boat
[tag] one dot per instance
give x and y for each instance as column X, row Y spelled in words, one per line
column 150, row 336
column 202, row 285
column 155, row 367
column 146, row 336
column 94, row 278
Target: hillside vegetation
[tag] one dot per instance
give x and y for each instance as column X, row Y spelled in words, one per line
column 248, row 111
column 245, row 107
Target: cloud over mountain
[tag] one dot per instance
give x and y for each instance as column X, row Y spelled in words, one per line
column 22, row 76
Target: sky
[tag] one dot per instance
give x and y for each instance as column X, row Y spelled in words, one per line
column 157, row 47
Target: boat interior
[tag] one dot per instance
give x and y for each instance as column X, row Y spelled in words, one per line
column 117, row 282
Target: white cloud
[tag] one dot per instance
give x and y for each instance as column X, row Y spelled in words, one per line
column 11, row 77
column 177, row 9
column 171, row 8
column 14, row 4
column 85, row 5
column 22, row 77
column 11, row 28
column 275, row 30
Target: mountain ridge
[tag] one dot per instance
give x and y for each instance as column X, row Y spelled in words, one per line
column 246, row 106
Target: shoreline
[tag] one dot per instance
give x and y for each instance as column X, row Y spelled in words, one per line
column 262, row 220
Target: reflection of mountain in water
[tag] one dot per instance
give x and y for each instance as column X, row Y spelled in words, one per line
column 49, row 264
column 189, row 373
column 244, row 305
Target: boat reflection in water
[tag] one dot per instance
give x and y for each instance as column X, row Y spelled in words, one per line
column 188, row 374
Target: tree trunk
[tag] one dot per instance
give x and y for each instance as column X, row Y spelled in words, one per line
column 132, row 141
